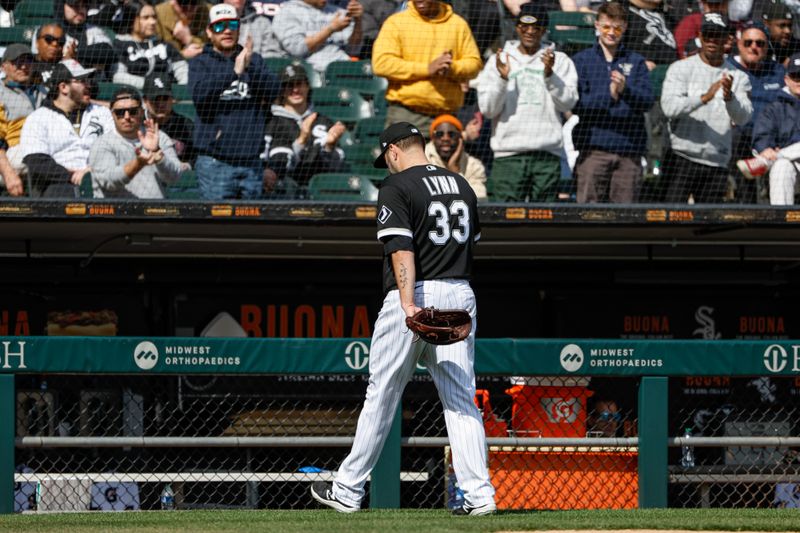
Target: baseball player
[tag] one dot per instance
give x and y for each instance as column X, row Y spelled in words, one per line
column 428, row 224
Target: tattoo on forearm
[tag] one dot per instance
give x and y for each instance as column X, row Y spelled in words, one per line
column 403, row 276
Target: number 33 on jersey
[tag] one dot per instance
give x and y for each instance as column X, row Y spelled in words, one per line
column 437, row 210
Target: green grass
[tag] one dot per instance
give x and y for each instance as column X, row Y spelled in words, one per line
column 416, row 521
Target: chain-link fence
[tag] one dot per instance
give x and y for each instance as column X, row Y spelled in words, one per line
column 311, row 420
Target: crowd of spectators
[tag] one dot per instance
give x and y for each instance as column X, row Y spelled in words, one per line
column 675, row 100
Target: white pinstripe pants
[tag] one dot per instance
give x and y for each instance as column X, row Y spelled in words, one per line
column 392, row 360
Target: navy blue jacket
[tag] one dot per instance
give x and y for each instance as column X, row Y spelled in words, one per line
column 767, row 83
column 778, row 125
column 231, row 111
column 616, row 127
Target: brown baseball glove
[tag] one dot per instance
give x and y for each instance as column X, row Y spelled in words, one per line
column 440, row 326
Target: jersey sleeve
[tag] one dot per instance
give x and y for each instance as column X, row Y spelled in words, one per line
column 394, row 219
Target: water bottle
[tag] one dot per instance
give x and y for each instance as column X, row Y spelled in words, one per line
column 167, row 498
column 687, row 452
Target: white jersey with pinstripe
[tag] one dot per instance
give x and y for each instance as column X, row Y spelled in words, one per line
column 437, row 210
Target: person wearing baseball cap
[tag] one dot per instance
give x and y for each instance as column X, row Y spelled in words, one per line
column 158, row 102
column 688, row 29
column 776, row 139
column 182, row 24
column 56, row 138
column 18, row 97
column 304, row 142
column 231, row 88
column 527, row 136
column 703, row 96
column 428, row 224
column 779, row 18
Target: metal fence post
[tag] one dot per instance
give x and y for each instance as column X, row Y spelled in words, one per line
column 653, row 477
column 385, row 486
column 7, row 421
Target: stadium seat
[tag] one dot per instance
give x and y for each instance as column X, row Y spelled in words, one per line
column 106, row 89
column 186, row 109
column 342, row 187
column 276, row 64
column 34, row 12
column 367, row 130
column 657, row 79
column 341, row 103
column 181, row 92
column 17, row 34
column 85, row 189
column 356, row 75
column 571, row 31
column 360, row 157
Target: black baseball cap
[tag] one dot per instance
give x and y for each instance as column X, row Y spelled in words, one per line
column 776, row 10
column 794, row 64
column 157, row 84
column 533, row 13
column 715, row 24
column 68, row 70
column 15, row 51
column 293, row 72
column 392, row 134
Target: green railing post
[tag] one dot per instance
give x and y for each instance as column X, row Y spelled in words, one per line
column 7, row 418
column 385, row 486
column 653, row 477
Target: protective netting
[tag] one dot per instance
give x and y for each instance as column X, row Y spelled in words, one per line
column 643, row 118
column 596, row 472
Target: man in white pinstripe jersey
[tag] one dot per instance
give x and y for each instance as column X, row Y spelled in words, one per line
column 428, row 224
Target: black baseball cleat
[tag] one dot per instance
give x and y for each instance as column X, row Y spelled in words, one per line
column 323, row 493
column 480, row 510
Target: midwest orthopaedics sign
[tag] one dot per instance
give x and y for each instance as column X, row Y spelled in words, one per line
column 573, row 357
column 146, row 356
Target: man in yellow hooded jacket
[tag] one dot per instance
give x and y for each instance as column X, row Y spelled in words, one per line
column 426, row 52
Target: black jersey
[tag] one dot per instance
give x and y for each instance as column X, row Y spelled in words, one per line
column 437, row 210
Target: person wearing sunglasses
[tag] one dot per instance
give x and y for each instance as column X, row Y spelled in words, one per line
column 50, row 50
column 446, row 149
column 182, row 24
column 231, row 88
column 524, row 89
column 56, row 137
column 136, row 159
column 85, row 42
column 604, row 419
column 615, row 92
column 702, row 97
column 19, row 96
column 776, row 140
column 140, row 52
column 766, row 79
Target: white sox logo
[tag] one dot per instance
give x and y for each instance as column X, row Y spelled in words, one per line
column 561, row 410
column 145, row 355
column 571, row 357
column 356, row 355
